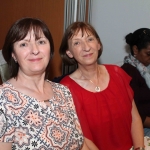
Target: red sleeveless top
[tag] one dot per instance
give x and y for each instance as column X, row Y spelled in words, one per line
column 105, row 116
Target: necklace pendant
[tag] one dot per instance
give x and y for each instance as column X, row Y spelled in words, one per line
column 97, row 89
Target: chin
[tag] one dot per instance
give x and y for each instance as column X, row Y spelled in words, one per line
column 40, row 70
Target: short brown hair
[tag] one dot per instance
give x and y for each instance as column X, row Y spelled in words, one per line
column 17, row 32
column 72, row 30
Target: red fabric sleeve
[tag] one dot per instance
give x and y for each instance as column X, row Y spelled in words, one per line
column 125, row 80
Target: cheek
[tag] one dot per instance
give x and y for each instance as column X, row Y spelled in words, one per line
column 21, row 55
column 145, row 59
column 148, row 59
column 46, row 50
column 48, row 53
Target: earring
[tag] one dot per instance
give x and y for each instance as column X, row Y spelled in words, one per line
column 15, row 60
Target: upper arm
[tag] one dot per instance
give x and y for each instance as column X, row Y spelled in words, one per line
column 136, row 128
column 6, row 117
column 134, row 112
column 77, row 100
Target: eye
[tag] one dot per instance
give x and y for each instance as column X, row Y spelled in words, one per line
column 76, row 43
column 148, row 54
column 41, row 42
column 90, row 39
column 23, row 44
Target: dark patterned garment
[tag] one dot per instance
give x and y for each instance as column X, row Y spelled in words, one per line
column 32, row 125
column 141, row 90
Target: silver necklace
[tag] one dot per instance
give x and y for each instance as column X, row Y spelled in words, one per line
column 97, row 88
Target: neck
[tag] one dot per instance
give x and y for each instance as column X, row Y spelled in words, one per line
column 95, row 81
column 89, row 72
column 35, row 82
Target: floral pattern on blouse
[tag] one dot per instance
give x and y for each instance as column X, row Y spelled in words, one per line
column 32, row 125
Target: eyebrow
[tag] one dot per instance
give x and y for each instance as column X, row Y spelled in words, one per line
column 148, row 51
column 25, row 40
column 82, row 36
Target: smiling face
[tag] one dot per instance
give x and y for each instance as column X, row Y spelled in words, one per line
column 84, row 47
column 143, row 55
column 32, row 54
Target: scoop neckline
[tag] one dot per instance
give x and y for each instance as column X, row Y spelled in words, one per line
column 91, row 91
column 13, row 87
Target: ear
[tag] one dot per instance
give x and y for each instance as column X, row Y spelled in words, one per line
column 135, row 50
column 14, row 57
column 99, row 46
column 69, row 54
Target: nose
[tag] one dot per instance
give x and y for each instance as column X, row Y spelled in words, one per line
column 86, row 46
column 34, row 49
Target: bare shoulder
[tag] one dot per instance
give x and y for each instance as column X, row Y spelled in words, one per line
column 103, row 69
column 76, row 76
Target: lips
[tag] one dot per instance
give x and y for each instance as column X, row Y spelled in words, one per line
column 88, row 55
column 35, row 60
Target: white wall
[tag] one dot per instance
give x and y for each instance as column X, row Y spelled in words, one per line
column 113, row 20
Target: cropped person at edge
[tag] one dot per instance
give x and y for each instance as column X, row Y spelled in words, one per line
column 102, row 95
column 137, row 65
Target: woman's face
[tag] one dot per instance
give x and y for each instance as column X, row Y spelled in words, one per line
column 84, row 48
column 144, row 56
column 32, row 55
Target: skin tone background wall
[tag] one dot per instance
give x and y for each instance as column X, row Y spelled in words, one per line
column 50, row 11
column 114, row 20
